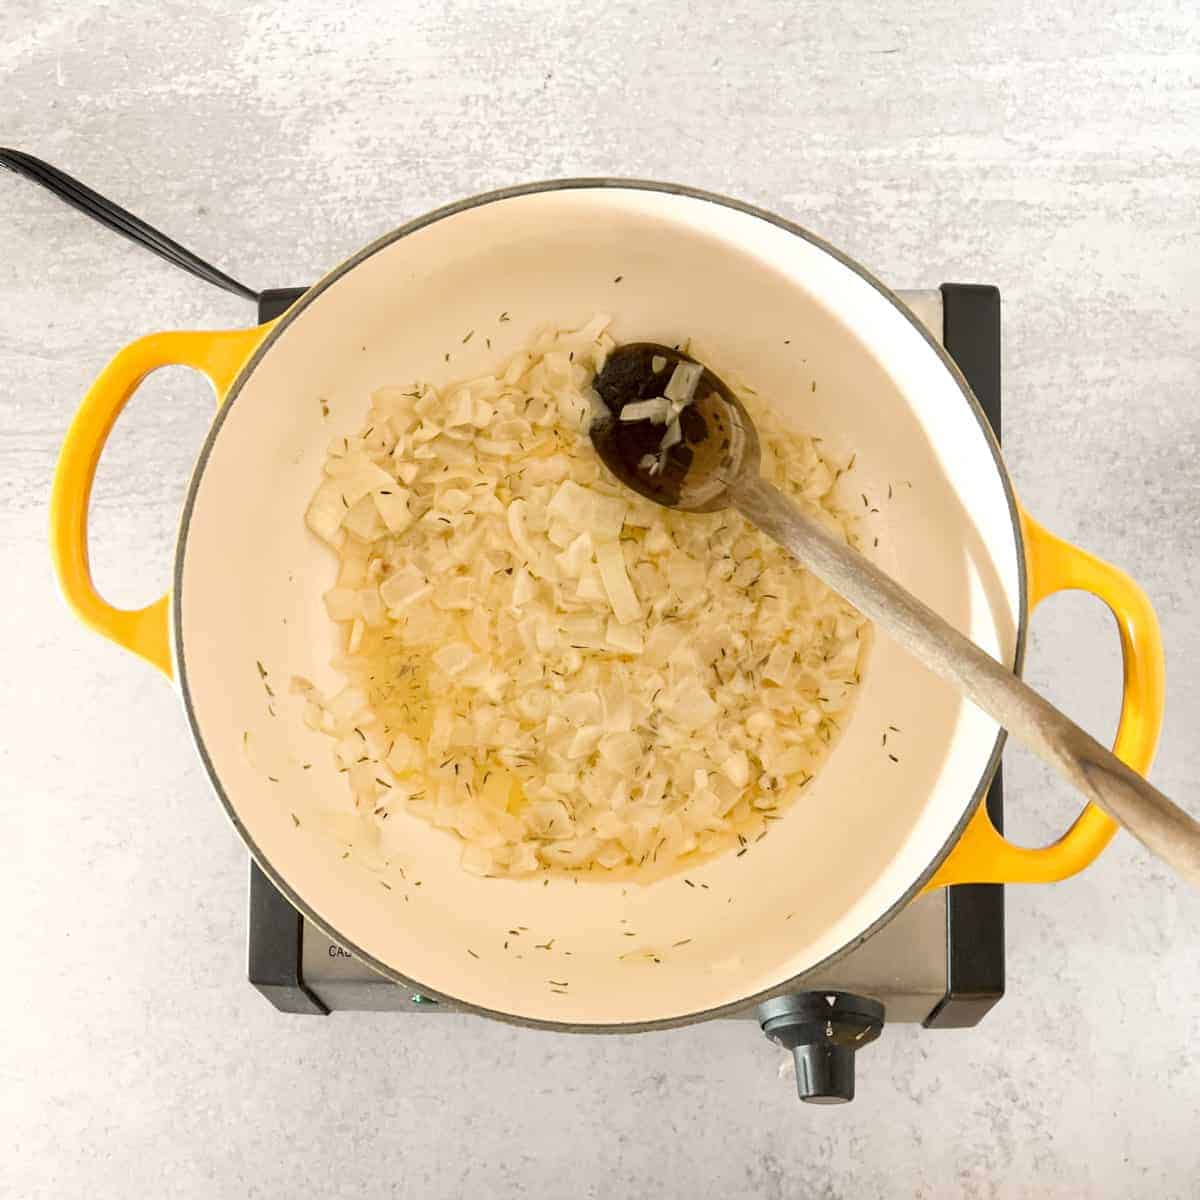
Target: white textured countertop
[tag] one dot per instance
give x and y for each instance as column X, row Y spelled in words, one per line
column 1015, row 144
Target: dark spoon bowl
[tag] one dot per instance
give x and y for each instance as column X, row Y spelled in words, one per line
column 719, row 444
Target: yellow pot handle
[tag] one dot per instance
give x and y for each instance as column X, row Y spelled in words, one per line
column 219, row 355
column 983, row 855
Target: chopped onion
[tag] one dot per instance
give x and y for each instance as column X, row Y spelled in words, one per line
column 326, row 510
column 736, row 769
column 517, row 528
column 657, row 410
column 523, row 589
column 401, row 587
column 692, row 707
column 619, row 590
column 584, row 741
column 779, row 665
column 549, row 668
column 620, row 751
column 625, row 639
column 341, row 603
column 589, row 511
column 453, row 659
column 371, row 607
column 577, row 556
column 392, row 506
column 681, row 387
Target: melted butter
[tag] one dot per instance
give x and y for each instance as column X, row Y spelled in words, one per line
column 397, row 684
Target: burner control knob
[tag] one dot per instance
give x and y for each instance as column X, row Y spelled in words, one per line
column 822, row 1030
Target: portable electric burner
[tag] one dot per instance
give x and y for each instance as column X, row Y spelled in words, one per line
column 939, row 963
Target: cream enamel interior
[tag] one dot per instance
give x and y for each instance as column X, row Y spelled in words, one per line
column 250, row 579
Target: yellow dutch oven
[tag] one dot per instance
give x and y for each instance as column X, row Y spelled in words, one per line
column 778, row 307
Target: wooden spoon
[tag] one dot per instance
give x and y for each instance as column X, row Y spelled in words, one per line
column 715, row 465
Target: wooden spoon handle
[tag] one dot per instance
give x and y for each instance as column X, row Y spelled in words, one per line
column 1157, row 822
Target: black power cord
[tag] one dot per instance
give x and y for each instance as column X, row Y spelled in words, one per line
column 81, row 197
